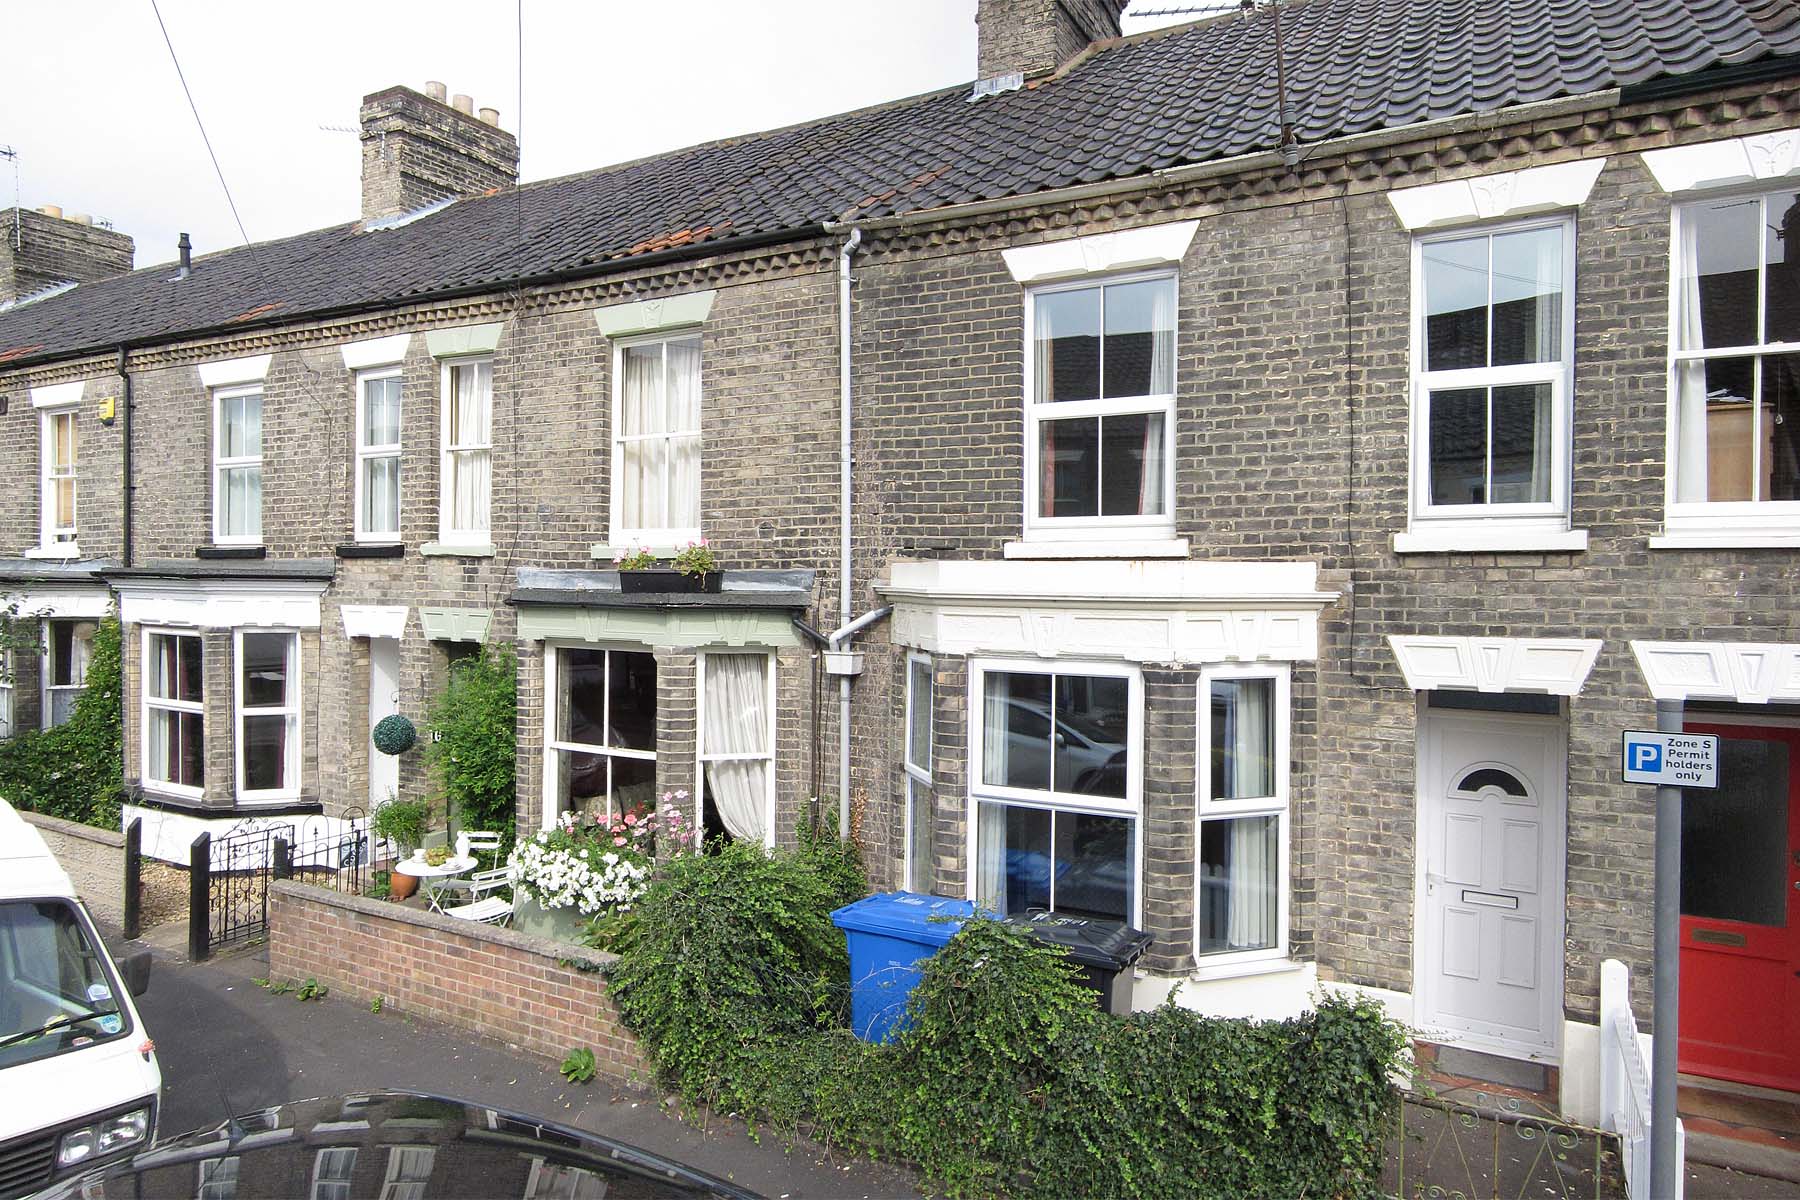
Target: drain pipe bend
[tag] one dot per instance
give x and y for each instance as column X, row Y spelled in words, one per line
column 844, row 463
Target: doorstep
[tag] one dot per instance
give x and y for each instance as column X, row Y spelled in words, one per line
column 1751, row 1129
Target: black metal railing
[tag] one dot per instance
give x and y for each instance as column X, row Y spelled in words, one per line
column 328, row 852
column 1490, row 1146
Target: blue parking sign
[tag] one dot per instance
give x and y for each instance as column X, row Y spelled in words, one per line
column 1685, row 760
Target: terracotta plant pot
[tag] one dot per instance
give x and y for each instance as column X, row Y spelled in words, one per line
column 401, row 886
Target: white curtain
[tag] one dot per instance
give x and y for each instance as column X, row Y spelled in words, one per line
column 1690, row 377
column 1249, row 765
column 641, row 411
column 737, row 723
column 684, row 423
column 1162, row 340
column 990, row 830
column 1251, row 890
column 470, row 427
column 243, row 501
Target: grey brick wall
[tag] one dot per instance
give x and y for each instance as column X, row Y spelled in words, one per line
column 416, row 150
column 53, row 250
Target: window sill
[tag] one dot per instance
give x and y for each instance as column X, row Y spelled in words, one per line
column 457, row 550
column 231, row 552
column 1112, row 548
column 371, row 550
column 605, row 552
column 1480, row 539
column 1208, row 972
column 57, row 550
column 1726, row 539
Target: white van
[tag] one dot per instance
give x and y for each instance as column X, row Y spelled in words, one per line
column 79, row 1081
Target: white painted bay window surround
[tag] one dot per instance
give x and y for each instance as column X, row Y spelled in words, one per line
column 68, row 648
column 237, row 465
column 600, row 731
column 737, row 746
column 656, row 442
column 174, row 713
column 919, row 874
column 377, row 485
column 1055, row 787
column 1241, row 870
column 268, row 714
column 467, row 462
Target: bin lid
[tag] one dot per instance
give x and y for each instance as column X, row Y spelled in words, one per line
column 1090, row 941
column 909, row 915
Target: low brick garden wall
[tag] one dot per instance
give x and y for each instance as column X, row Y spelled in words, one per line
column 494, row 982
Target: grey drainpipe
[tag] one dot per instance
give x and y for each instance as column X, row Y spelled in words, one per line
column 844, row 461
column 125, row 435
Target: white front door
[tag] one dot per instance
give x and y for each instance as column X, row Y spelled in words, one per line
column 384, row 701
column 1488, row 967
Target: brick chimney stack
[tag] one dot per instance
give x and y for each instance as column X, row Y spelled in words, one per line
column 40, row 248
column 1034, row 37
column 416, row 148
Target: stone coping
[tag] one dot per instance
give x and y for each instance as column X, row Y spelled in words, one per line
column 476, row 930
column 74, row 829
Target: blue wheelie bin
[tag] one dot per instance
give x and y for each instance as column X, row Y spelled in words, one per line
column 889, row 935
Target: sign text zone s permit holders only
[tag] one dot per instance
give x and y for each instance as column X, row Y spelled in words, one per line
column 1684, row 760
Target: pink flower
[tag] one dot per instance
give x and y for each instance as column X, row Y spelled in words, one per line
column 618, row 841
column 631, row 818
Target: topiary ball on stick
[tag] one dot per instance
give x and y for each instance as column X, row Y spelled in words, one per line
column 395, row 735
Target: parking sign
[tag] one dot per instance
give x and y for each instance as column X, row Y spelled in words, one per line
column 1685, row 760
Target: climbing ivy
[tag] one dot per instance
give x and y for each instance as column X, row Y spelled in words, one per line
column 472, row 757
column 75, row 770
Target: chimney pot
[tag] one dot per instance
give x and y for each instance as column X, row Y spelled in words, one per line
column 437, row 91
column 490, row 116
column 52, row 210
column 463, row 104
column 81, row 218
column 412, row 156
column 186, row 248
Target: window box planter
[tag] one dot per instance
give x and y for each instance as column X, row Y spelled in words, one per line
column 663, row 580
column 557, row 924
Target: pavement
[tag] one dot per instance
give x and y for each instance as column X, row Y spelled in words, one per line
column 228, row 1046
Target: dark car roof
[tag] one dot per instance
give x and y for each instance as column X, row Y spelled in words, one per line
column 475, row 1151
column 1191, row 94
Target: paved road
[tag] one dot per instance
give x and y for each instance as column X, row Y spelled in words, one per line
column 227, row 1046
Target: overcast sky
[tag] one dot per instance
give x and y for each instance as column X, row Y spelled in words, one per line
column 90, row 99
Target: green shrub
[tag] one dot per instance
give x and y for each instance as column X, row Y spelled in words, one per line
column 402, row 822
column 75, row 770
column 472, row 759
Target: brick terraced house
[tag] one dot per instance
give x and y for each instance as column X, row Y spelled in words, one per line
column 1251, row 496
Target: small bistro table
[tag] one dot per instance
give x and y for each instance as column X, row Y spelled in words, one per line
column 419, row 869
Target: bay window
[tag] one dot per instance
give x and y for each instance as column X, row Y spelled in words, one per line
column 919, row 876
column 1735, row 362
column 737, row 747
column 1493, row 333
column 6, row 693
column 1241, row 865
column 467, row 460
column 268, row 715
column 174, row 713
column 656, row 442
column 378, row 456
column 237, row 465
column 602, row 743
column 57, row 436
column 1100, row 408
column 68, row 646
column 1055, row 787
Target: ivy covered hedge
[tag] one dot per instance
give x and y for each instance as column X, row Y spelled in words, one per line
column 1009, row 1079
column 75, row 770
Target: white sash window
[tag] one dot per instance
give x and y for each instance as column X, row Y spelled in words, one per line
column 1241, row 866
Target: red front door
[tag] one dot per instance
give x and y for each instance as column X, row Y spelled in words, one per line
column 1740, row 911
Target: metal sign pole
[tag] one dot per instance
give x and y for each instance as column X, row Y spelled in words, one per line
column 1665, row 1021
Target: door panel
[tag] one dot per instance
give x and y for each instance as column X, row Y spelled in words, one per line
column 1490, row 920
column 1740, row 906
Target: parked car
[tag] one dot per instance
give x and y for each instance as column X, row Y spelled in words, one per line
column 79, row 1080
column 381, row 1145
column 1081, row 748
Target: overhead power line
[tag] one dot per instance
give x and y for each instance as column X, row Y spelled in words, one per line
column 195, row 108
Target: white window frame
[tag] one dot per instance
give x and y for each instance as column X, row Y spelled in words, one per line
column 447, row 535
column 1131, row 806
column 1207, row 807
column 366, row 453
column 221, row 463
column 402, row 1180
column 59, row 539
column 45, row 687
column 917, row 776
column 1725, row 522
column 1537, row 523
column 216, row 1178
column 1097, row 528
column 672, row 537
column 326, row 1188
column 702, row 756
column 553, row 697
column 148, row 702
column 7, row 705
column 290, row 769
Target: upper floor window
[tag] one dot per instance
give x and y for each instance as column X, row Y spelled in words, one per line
column 656, row 441
column 57, row 434
column 1055, row 784
column 378, row 455
column 1735, row 441
column 468, row 450
column 1492, row 353
column 237, row 465
column 1101, row 407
